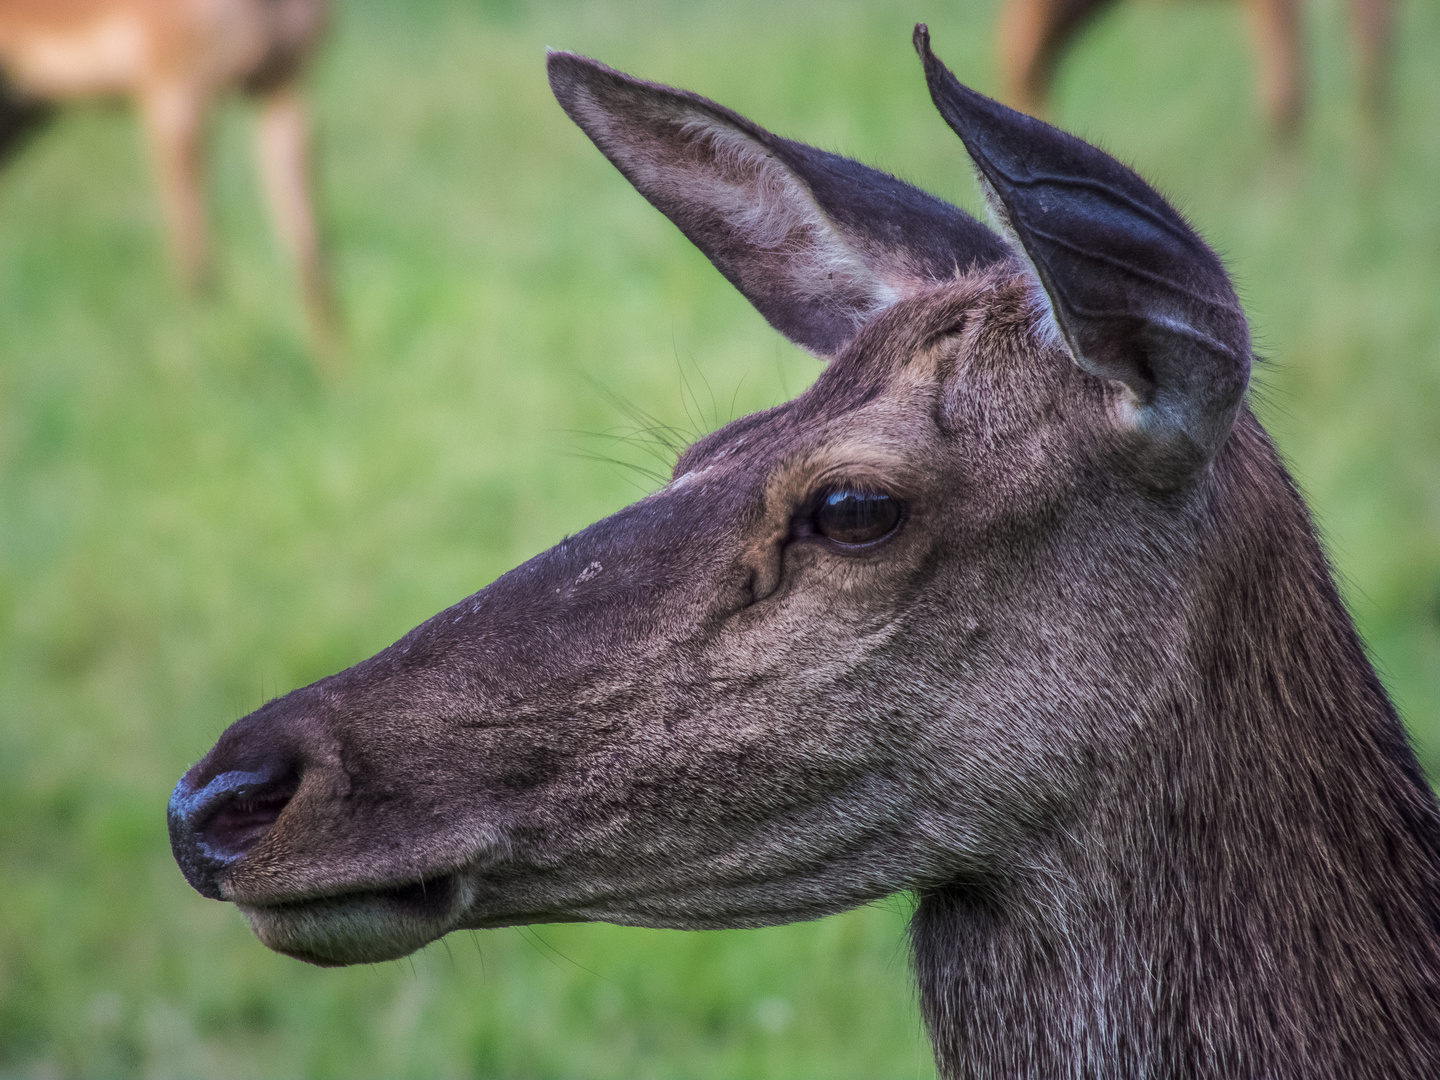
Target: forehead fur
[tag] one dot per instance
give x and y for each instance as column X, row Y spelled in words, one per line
column 982, row 330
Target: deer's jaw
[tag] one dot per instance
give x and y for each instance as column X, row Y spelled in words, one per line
column 746, row 886
column 364, row 927
column 370, row 925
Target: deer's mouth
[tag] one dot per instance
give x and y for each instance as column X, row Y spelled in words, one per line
column 361, row 927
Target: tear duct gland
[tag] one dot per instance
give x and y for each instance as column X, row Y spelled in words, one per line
column 1015, row 608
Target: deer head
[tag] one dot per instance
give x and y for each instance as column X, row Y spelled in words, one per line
column 882, row 637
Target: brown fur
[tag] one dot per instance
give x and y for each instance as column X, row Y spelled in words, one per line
column 1112, row 725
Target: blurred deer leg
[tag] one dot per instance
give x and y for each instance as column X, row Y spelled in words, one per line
column 174, row 120
column 19, row 117
column 284, row 145
column 1277, row 30
column 1033, row 35
column 1374, row 22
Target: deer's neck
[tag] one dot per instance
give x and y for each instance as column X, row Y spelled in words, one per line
column 1256, row 892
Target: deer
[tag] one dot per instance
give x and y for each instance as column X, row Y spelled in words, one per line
column 175, row 58
column 1016, row 609
column 1035, row 34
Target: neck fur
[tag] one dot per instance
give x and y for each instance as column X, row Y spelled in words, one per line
column 1254, row 893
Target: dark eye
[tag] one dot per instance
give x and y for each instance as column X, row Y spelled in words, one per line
column 856, row 518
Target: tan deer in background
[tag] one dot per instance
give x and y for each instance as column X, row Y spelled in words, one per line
column 1034, row 34
column 175, row 58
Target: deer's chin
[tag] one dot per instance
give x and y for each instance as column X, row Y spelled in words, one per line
column 364, row 927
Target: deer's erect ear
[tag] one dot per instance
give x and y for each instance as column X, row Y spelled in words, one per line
column 818, row 243
column 1136, row 294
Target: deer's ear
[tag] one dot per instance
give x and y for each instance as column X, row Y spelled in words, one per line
column 1136, row 294
column 818, row 243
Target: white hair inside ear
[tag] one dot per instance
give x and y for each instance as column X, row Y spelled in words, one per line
column 818, row 243
column 769, row 208
column 1045, row 326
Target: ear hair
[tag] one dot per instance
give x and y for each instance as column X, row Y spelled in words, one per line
column 818, row 243
column 764, row 203
column 1047, row 325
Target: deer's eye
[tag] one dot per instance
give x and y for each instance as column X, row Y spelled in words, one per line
column 854, row 518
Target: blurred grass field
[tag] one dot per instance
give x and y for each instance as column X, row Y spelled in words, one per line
column 192, row 520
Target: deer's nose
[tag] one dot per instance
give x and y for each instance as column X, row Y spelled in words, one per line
column 213, row 826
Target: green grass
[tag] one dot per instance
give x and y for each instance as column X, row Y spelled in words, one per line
column 192, row 520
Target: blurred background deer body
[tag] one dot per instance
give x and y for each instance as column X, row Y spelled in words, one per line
column 1034, row 34
column 175, row 57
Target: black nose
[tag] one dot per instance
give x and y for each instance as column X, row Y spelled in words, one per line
column 213, row 826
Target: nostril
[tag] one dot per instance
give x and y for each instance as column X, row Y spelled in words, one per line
column 235, row 825
column 217, row 815
column 228, row 816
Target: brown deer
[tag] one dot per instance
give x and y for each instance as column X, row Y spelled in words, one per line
column 1016, row 608
column 175, row 57
column 1034, row 34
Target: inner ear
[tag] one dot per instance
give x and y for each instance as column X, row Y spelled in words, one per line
column 818, row 243
column 1135, row 294
column 764, row 229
